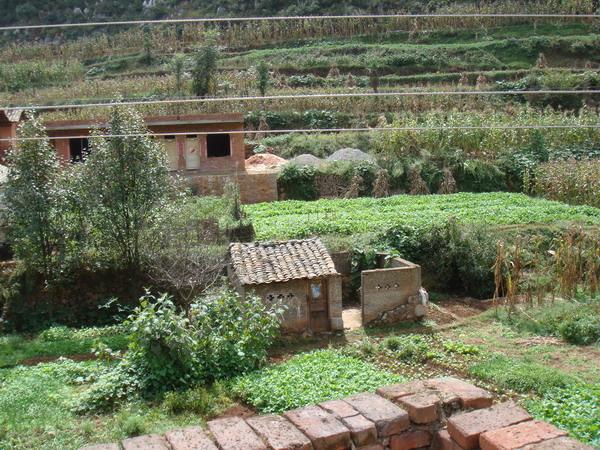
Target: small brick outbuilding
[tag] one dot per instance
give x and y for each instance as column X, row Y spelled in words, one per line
column 299, row 274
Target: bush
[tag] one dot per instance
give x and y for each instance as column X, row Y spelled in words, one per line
column 457, row 257
column 309, row 378
column 575, row 322
column 583, row 329
column 298, row 183
column 220, row 337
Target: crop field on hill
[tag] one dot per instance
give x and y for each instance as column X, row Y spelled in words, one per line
column 298, row 219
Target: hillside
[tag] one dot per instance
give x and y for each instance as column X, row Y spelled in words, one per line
column 60, row 11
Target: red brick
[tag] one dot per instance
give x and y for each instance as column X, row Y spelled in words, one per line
column 339, row 408
column 101, row 447
column 395, row 391
column 233, row 433
column 388, row 417
column 410, row 440
column 469, row 395
column 191, row 438
column 520, row 435
column 323, row 429
column 278, row 433
column 562, row 443
column 422, row 407
column 362, row 430
column 146, row 442
column 466, row 428
column 442, row 441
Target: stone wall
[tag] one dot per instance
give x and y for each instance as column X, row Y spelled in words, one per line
column 391, row 294
column 438, row 414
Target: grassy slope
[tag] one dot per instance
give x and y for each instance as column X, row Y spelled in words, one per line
column 296, row 219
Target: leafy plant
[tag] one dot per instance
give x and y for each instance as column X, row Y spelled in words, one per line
column 520, row 375
column 169, row 349
column 297, row 219
column 574, row 408
column 309, row 378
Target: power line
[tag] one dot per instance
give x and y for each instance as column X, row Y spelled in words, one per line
column 314, row 130
column 289, row 18
column 294, row 96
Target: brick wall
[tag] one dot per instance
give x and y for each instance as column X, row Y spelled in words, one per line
column 438, row 414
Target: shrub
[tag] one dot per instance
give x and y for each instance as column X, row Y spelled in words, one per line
column 220, row 337
column 309, row 378
column 298, row 182
column 234, row 333
column 583, row 329
column 457, row 257
column 575, row 322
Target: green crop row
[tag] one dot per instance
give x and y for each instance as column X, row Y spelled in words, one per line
column 299, row 219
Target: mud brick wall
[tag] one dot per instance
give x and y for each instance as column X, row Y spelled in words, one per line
column 255, row 187
column 391, row 294
column 438, row 414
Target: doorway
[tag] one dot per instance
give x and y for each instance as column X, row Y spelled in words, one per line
column 318, row 305
column 78, row 149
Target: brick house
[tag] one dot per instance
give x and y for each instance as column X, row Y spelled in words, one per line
column 298, row 273
column 207, row 149
column 196, row 151
column 9, row 122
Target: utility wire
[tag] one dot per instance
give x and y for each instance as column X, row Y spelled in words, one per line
column 294, row 96
column 313, row 130
column 284, row 18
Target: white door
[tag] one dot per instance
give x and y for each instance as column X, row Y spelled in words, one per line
column 192, row 152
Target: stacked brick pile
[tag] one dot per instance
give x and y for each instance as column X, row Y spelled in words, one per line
column 440, row 414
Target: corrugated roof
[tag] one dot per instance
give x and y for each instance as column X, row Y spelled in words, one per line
column 276, row 262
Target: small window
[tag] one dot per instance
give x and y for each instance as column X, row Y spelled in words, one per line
column 218, row 145
column 316, row 291
column 169, row 138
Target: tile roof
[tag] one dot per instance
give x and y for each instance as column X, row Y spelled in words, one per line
column 275, row 262
column 13, row 115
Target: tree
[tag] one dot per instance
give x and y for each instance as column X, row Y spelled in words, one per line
column 128, row 180
column 205, row 66
column 186, row 249
column 177, row 64
column 262, row 78
column 33, row 198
